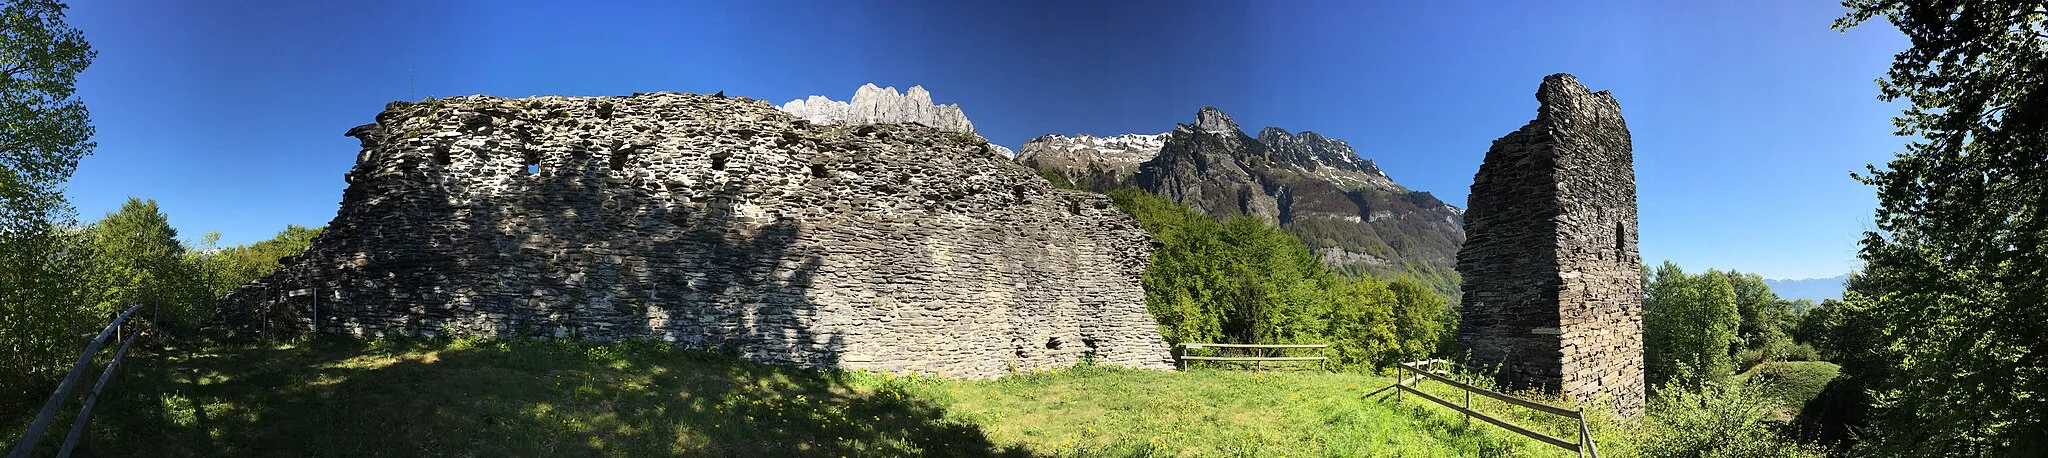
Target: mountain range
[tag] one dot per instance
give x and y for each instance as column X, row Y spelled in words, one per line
column 1815, row 289
column 1355, row 217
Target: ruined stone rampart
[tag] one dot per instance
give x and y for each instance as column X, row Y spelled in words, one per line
column 1552, row 279
column 711, row 221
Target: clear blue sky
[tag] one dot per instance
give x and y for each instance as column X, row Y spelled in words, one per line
column 1747, row 115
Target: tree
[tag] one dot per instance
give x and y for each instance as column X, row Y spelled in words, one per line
column 1954, row 272
column 227, row 268
column 1764, row 317
column 46, row 129
column 1418, row 318
column 1242, row 280
column 139, row 261
column 1690, row 325
column 44, row 315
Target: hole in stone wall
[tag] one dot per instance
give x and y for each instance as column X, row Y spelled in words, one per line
column 441, row 155
column 1052, row 343
column 818, row 170
column 717, row 162
column 1620, row 238
column 532, row 163
column 620, row 158
column 1021, row 191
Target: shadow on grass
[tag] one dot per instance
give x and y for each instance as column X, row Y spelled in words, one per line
column 519, row 398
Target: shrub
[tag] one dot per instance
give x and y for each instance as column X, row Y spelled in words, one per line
column 1721, row 419
column 1791, row 384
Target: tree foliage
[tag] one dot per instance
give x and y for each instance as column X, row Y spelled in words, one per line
column 1956, row 272
column 227, row 268
column 1690, row 326
column 45, row 308
column 138, row 260
column 46, row 129
column 1242, row 280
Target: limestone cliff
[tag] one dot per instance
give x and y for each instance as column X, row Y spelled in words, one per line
column 710, row 221
column 877, row 105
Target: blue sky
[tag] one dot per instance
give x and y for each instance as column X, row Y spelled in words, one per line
column 1747, row 115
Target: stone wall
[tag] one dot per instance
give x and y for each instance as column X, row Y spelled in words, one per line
column 710, row 221
column 1552, row 277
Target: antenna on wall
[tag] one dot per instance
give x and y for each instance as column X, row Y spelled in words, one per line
column 411, row 87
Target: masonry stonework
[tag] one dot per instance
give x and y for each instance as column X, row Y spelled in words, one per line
column 1552, row 277
column 710, row 221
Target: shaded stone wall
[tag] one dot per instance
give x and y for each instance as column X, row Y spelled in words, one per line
column 710, row 221
column 1552, row 277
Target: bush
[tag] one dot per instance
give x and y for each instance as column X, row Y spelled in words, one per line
column 1802, row 352
column 1721, row 419
column 1791, row 384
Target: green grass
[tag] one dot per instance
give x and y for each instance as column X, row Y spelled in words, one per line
column 530, row 398
column 1791, row 383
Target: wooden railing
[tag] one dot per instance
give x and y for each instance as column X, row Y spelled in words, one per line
column 1421, row 369
column 27, row 444
column 1321, row 357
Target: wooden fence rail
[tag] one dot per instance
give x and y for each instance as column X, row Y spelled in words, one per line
column 1321, row 356
column 27, row 444
column 1422, row 372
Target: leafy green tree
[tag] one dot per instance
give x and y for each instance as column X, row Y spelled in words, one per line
column 1242, row 280
column 139, row 261
column 1418, row 318
column 1362, row 330
column 1764, row 318
column 1956, row 271
column 45, row 314
column 227, row 268
column 1690, row 325
column 46, row 129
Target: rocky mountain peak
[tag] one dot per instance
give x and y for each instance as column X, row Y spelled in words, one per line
column 881, row 105
column 1314, row 153
column 1313, row 186
column 1090, row 161
column 1212, row 120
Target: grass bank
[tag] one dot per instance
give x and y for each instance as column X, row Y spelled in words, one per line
column 334, row 397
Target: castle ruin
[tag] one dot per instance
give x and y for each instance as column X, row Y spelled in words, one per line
column 715, row 222
column 1552, row 278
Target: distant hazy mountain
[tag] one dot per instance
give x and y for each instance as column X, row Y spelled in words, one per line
column 1816, row 289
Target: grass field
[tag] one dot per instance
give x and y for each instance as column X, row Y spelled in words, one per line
column 336, row 397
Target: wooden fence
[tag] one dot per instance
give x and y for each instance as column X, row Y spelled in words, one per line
column 1321, row 357
column 27, row 445
column 1584, row 447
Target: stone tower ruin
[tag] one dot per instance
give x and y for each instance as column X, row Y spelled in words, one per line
column 1552, row 279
